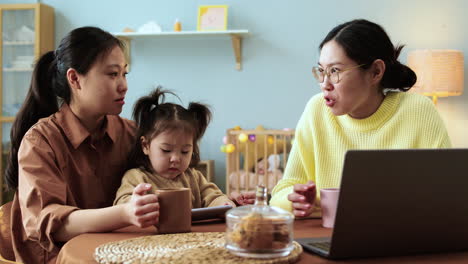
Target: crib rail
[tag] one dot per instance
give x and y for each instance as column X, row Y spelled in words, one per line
column 250, row 146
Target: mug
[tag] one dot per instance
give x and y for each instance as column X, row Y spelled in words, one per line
column 175, row 210
column 328, row 202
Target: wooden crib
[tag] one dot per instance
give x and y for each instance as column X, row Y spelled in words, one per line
column 247, row 154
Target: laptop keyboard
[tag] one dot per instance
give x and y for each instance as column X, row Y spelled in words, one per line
column 325, row 246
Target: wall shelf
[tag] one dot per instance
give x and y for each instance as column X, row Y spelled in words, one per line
column 236, row 38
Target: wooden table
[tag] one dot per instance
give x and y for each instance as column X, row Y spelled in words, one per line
column 81, row 248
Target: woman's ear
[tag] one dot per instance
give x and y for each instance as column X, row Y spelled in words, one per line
column 144, row 145
column 73, row 78
column 377, row 70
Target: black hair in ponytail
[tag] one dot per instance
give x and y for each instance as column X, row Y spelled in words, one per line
column 364, row 42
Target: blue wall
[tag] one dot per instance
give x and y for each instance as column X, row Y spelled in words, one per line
column 275, row 81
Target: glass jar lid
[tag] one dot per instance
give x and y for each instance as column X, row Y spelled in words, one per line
column 269, row 212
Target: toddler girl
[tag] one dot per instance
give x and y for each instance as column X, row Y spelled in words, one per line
column 166, row 153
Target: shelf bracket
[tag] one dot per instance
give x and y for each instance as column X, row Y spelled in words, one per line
column 237, row 46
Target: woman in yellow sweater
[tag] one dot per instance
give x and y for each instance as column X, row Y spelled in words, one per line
column 363, row 105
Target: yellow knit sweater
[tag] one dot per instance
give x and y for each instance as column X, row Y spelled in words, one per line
column 403, row 120
column 204, row 193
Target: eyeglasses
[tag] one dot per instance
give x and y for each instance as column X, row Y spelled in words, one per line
column 332, row 73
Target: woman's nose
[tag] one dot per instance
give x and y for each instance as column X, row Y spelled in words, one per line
column 122, row 85
column 326, row 85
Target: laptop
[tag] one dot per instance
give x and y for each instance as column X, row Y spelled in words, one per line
column 399, row 202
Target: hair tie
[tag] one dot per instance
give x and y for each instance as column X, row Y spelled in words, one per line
column 60, row 66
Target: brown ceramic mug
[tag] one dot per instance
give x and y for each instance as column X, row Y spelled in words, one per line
column 175, row 210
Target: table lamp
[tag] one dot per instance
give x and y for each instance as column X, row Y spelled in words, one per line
column 439, row 72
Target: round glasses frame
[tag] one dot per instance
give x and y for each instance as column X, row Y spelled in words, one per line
column 334, row 76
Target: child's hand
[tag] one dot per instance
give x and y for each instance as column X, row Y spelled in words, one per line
column 143, row 209
column 303, row 199
column 243, row 198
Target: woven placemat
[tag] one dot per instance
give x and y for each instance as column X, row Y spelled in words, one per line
column 204, row 247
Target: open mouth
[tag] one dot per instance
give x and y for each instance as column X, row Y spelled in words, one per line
column 329, row 102
column 120, row 100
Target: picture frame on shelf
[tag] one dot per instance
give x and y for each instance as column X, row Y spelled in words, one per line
column 212, row 18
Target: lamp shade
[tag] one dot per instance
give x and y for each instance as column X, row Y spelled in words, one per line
column 439, row 72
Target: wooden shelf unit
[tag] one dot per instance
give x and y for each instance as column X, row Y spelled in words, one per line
column 38, row 18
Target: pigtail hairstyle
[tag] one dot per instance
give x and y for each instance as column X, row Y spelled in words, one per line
column 154, row 116
column 143, row 110
column 202, row 117
column 49, row 85
column 145, row 115
column 364, row 42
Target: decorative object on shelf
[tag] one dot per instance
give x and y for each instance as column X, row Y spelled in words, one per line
column 177, row 25
column 212, row 17
column 24, row 33
column 127, row 29
column 150, row 27
column 439, row 72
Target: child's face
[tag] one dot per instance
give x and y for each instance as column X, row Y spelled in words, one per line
column 170, row 152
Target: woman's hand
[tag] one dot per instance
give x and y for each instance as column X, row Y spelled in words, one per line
column 243, row 198
column 143, row 209
column 303, row 199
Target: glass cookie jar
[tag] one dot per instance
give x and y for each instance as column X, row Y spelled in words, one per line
column 259, row 230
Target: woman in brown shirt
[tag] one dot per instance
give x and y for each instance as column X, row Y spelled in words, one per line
column 66, row 162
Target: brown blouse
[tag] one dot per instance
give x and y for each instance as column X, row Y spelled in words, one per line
column 62, row 170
